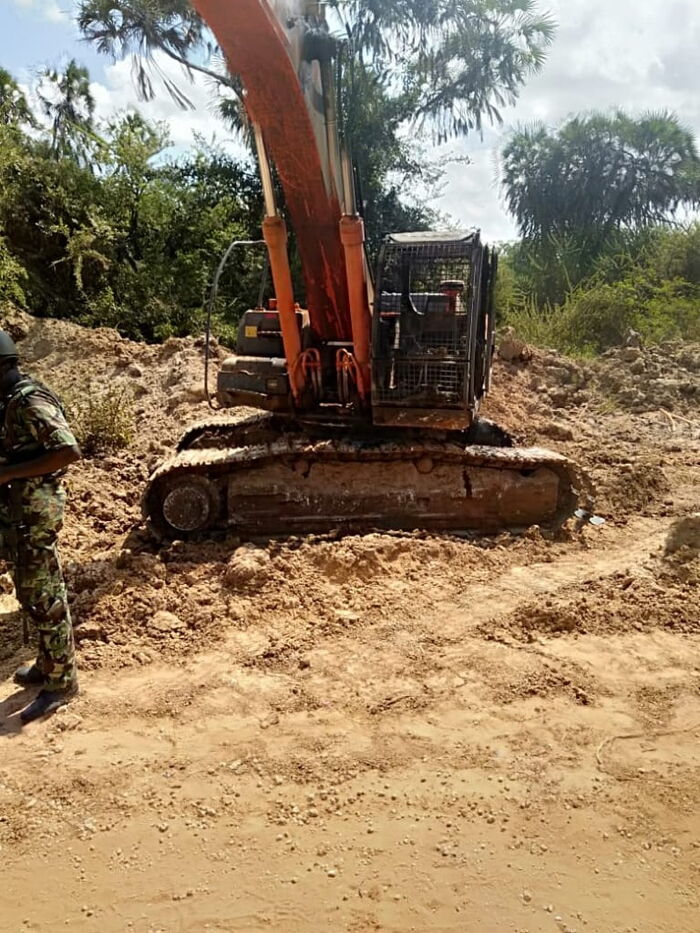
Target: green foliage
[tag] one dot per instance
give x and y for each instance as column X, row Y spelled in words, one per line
column 674, row 253
column 387, row 163
column 12, row 277
column 598, row 174
column 442, row 67
column 582, row 194
column 102, row 419
column 451, row 63
column 130, row 240
column 43, row 203
column 14, row 109
column 652, row 286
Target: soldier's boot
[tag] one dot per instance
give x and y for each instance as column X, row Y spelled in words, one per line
column 29, row 675
column 47, row 702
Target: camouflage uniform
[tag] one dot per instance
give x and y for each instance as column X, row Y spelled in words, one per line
column 31, row 423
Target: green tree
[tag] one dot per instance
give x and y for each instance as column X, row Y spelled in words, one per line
column 129, row 241
column 133, row 144
column 143, row 27
column 44, row 203
column 67, row 102
column 219, row 200
column 14, row 108
column 452, row 63
column 583, row 192
column 12, row 276
column 598, row 174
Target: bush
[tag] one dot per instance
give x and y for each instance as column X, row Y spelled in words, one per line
column 102, row 420
column 675, row 253
column 540, row 328
column 651, row 286
column 590, row 320
column 12, row 276
column 594, row 319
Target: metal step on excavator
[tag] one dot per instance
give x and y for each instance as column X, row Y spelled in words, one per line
column 368, row 397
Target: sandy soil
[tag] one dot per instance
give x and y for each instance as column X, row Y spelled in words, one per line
column 378, row 733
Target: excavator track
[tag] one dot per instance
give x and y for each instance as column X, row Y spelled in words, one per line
column 295, row 484
column 231, row 432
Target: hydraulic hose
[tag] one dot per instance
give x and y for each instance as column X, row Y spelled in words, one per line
column 210, row 306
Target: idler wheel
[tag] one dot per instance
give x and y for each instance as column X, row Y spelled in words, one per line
column 191, row 504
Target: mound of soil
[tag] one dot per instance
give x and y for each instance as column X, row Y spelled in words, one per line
column 166, row 381
column 665, row 377
column 133, row 603
column 620, row 604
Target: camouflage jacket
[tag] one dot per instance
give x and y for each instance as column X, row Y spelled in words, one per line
column 32, row 422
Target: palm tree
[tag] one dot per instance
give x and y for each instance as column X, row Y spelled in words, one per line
column 142, row 27
column 584, row 191
column 598, row 174
column 67, row 101
column 458, row 62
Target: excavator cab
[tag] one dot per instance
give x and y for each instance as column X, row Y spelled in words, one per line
column 432, row 342
column 433, row 330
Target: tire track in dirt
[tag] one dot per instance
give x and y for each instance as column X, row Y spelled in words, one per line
column 629, row 549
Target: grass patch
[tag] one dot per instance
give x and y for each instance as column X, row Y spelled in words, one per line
column 598, row 316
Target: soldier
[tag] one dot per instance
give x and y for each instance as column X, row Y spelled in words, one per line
column 37, row 446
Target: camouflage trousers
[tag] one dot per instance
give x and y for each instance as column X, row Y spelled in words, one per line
column 39, row 582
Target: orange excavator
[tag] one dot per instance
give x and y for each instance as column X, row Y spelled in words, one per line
column 368, row 396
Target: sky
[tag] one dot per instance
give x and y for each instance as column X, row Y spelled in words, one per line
column 636, row 54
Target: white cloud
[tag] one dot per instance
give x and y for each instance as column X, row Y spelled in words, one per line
column 118, row 93
column 635, row 54
column 53, row 12
column 56, row 11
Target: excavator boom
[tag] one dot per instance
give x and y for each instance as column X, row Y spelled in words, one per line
column 285, row 95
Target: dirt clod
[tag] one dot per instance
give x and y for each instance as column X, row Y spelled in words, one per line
column 247, row 568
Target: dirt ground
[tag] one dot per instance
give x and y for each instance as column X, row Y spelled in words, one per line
column 378, row 733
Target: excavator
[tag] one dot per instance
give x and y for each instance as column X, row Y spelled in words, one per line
column 368, row 395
